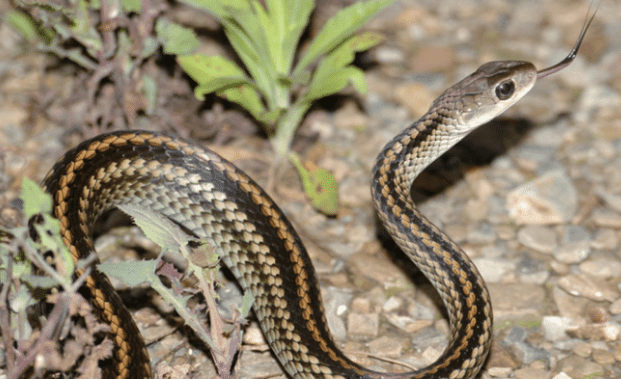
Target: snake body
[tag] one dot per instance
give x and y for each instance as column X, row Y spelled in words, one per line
column 213, row 200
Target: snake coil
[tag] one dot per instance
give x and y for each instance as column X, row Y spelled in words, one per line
column 215, row 201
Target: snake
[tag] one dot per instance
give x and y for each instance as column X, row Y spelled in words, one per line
column 213, row 200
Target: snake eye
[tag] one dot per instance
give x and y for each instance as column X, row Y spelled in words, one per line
column 505, row 90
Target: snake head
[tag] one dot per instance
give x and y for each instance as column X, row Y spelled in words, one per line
column 495, row 87
column 491, row 90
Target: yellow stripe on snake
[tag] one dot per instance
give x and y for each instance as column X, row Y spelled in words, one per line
column 215, row 201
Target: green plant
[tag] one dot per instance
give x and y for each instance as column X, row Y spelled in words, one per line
column 278, row 92
column 223, row 338
column 319, row 184
column 23, row 287
column 33, row 260
column 108, row 39
column 116, row 37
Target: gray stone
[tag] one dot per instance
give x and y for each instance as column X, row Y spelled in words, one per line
column 359, row 324
column 494, row 269
column 585, row 286
column 549, row 199
column 574, row 252
column 537, row 237
column 602, row 268
column 606, row 218
column 554, row 327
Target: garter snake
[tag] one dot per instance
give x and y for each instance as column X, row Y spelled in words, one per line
column 215, row 201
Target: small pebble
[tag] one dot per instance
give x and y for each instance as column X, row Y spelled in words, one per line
column 362, row 324
column 615, row 307
column 387, row 347
column 588, row 287
column 499, row 372
column 494, row 270
column 431, row 354
column 389, row 55
column 577, row 367
column 253, row 335
column 595, row 332
column 602, row 268
column 554, row 327
column 531, row 373
column 537, row 237
column 392, row 304
column 574, row 252
column 606, row 218
column 605, row 239
column 582, row 349
column 603, row 357
column 361, row 304
column 549, row 199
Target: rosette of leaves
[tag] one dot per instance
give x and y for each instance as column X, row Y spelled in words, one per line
column 266, row 39
column 276, row 86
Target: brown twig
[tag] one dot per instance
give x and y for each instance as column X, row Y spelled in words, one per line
column 380, row 358
column 5, row 321
column 56, row 319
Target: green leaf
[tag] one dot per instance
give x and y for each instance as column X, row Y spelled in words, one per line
column 130, row 6
column 344, row 54
column 84, row 31
column 220, row 84
column 131, row 273
column 95, row 4
column 156, row 227
column 23, row 24
column 247, row 98
column 319, row 185
column 336, row 81
column 270, row 118
column 170, row 237
column 175, row 38
column 204, row 69
column 149, row 46
column 257, row 63
column 21, row 299
column 247, row 302
column 296, row 15
column 38, row 281
column 21, row 268
column 35, row 199
column 262, row 28
column 332, row 75
column 219, row 8
column 265, row 35
column 149, row 89
column 249, row 39
column 339, row 28
column 49, row 234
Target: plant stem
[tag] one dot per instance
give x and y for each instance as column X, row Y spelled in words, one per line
column 282, row 95
column 5, row 317
column 286, row 127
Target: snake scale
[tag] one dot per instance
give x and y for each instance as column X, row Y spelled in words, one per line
column 214, row 201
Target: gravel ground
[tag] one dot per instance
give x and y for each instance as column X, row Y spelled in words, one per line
column 533, row 198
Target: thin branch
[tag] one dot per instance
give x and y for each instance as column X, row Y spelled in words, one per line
column 55, row 320
column 5, row 320
column 380, row 358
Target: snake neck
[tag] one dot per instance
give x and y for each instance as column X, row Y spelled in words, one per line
column 411, row 151
column 441, row 260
